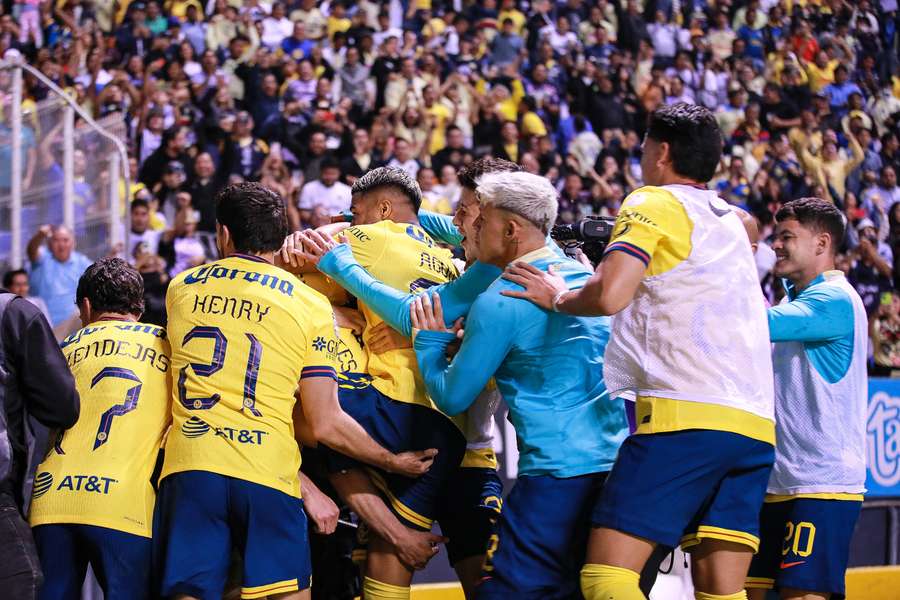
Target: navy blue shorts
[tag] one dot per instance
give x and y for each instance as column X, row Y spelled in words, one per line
column 121, row 561
column 681, row 487
column 199, row 517
column 538, row 550
column 805, row 545
column 468, row 511
column 401, row 427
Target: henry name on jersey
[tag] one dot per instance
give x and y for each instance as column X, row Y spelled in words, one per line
column 237, row 308
column 108, row 347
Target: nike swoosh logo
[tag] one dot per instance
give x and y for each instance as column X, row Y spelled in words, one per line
column 785, row 565
column 718, row 211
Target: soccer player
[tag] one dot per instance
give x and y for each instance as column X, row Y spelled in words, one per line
column 547, row 367
column 468, row 511
column 93, row 499
column 386, row 238
column 690, row 338
column 243, row 333
column 820, row 333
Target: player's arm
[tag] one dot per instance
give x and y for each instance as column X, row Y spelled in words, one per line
column 822, row 314
column 414, row 548
column 488, row 337
column 440, row 227
column 338, row 261
column 330, row 425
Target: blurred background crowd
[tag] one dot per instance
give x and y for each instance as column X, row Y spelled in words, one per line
column 308, row 95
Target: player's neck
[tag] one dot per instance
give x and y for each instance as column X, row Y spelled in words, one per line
column 802, row 281
column 520, row 248
column 268, row 257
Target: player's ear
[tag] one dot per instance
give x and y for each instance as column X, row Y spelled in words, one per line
column 385, row 209
column 223, row 239
column 84, row 311
column 663, row 158
column 823, row 243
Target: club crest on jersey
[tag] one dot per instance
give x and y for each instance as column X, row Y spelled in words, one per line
column 42, row 484
column 883, row 432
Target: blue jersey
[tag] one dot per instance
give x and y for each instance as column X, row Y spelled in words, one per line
column 548, row 367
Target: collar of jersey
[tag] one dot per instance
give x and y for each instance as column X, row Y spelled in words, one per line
column 247, row 257
column 536, row 255
column 822, row 277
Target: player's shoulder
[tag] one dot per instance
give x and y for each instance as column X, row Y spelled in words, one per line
column 650, row 197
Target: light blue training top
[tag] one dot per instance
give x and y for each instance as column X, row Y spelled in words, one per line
column 821, row 317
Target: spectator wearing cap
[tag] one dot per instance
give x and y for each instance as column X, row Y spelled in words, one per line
column 55, row 270
column 840, row 90
column 171, row 148
column 244, row 152
column 327, row 192
column 871, row 268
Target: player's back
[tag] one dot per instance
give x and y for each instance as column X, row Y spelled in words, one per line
column 404, row 257
column 243, row 333
column 98, row 472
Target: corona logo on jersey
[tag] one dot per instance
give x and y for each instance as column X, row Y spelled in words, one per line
column 42, row 484
column 883, row 430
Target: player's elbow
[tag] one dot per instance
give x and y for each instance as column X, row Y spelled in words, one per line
column 610, row 304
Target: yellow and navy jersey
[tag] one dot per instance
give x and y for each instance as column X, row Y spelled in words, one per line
column 98, row 472
column 654, row 227
column 243, row 333
column 353, row 360
column 404, row 257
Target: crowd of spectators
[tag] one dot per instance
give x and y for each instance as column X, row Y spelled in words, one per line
column 307, row 95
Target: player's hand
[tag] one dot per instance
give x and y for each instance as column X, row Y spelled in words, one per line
column 321, row 510
column 316, row 245
column 412, row 464
column 416, row 548
column 289, row 250
column 427, row 314
column 349, row 318
column 540, row 287
column 383, row 337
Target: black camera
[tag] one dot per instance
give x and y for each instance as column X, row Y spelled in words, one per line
column 591, row 234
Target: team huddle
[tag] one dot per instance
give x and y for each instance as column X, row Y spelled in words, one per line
column 656, row 400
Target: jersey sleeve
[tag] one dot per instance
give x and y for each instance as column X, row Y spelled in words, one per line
column 649, row 220
column 821, row 314
column 320, row 358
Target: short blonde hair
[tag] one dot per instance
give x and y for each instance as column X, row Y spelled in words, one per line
column 530, row 196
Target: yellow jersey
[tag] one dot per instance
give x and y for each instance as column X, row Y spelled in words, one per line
column 243, row 333
column 404, row 257
column 98, row 472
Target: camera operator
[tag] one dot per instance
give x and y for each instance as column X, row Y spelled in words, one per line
column 678, row 275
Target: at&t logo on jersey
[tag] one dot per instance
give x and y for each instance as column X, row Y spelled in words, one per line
column 42, row 483
column 195, row 427
column 96, row 484
column 883, row 430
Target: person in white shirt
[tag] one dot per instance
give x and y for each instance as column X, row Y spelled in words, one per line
column 403, row 158
column 276, row 27
column 327, row 192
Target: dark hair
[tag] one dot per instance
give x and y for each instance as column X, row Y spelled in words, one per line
column 112, row 285
column 10, row 275
column 254, row 215
column 694, row 138
column 169, row 135
column 470, row 174
column 390, row 177
column 329, row 162
column 819, row 215
column 140, row 203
